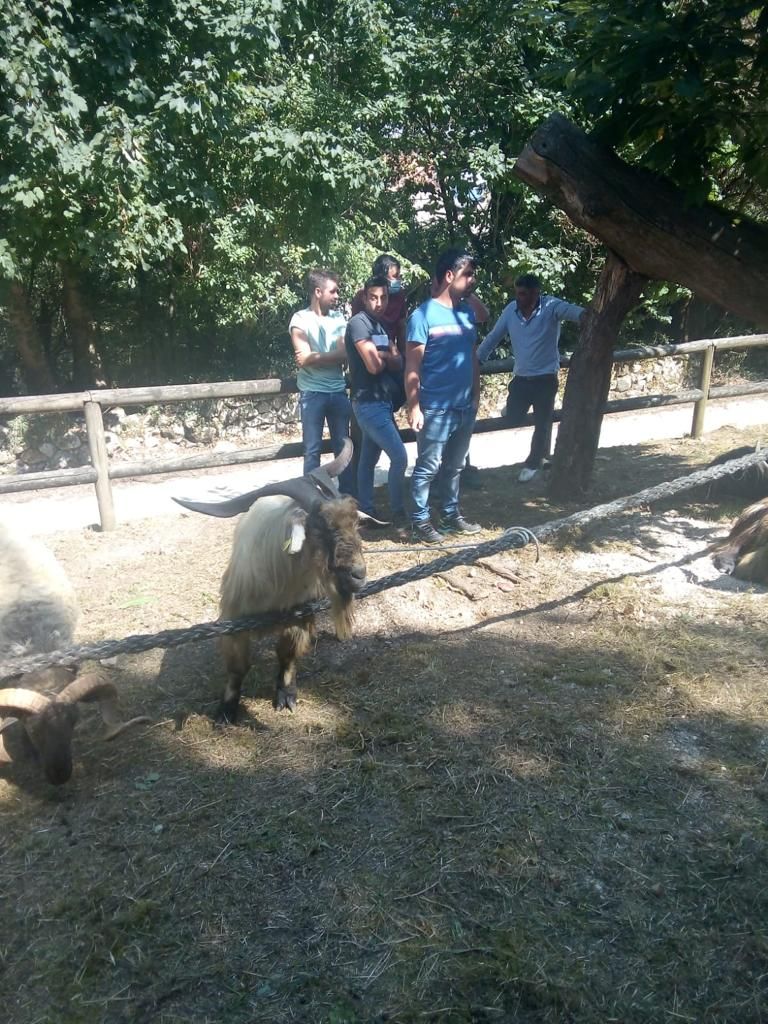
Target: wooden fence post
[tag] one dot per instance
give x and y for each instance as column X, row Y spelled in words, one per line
column 699, row 409
column 97, row 445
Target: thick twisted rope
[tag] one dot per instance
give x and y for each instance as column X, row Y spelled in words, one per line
column 513, row 538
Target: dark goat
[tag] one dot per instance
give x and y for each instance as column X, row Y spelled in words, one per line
column 38, row 613
column 298, row 541
column 751, row 483
column 744, row 552
column 48, row 722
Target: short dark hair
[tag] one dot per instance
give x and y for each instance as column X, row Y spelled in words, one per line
column 453, row 260
column 376, row 281
column 318, row 278
column 383, row 264
column 527, row 281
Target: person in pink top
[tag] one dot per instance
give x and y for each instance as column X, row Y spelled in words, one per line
column 393, row 317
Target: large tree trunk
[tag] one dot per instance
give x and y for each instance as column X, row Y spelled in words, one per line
column 589, row 378
column 35, row 368
column 87, row 369
column 651, row 232
column 721, row 257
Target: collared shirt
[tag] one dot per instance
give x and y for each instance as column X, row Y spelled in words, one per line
column 535, row 340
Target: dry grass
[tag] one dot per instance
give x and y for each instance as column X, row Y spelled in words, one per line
column 546, row 803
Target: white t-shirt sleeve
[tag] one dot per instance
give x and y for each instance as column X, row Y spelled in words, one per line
column 299, row 320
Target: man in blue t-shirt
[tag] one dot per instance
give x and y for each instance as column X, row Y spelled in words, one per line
column 442, row 385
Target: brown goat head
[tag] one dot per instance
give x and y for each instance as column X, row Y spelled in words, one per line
column 51, row 733
column 744, row 552
column 49, row 721
column 333, row 533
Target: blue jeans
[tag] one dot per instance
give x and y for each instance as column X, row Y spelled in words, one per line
column 442, row 444
column 316, row 408
column 379, row 434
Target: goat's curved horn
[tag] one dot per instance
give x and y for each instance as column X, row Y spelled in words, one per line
column 222, row 509
column 300, row 489
column 87, row 687
column 91, row 687
column 327, row 485
column 363, row 517
column 23, row 702
column 342, row 460
column 5, row 757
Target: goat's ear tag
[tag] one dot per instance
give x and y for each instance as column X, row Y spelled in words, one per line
column 295, row 542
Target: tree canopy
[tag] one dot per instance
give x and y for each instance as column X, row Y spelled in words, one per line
column 169, row 171
column 681, row 86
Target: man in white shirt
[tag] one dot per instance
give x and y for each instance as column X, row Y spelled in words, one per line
column 532, row 323
column 317, row 336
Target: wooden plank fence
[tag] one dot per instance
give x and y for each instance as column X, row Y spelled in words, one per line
column 101, row 472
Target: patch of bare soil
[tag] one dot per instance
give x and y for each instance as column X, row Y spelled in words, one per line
column 526, row 791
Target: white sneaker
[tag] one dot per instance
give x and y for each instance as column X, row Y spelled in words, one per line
column 526, row 474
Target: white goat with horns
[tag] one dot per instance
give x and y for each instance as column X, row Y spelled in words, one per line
column 298, row 541
column 38, row 614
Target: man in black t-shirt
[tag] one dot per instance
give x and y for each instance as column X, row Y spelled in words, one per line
column 375, row 369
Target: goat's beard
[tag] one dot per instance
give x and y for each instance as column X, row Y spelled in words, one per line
column 342, row 609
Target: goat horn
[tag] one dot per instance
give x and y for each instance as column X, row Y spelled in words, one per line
column 342, row 460
column 92, row 686
column 24, row 702
column 222, row 509
column 87, row 687
column 363, row 517
column 300, row 489
column 5, row 757
column 328, row 485
column 308, row 491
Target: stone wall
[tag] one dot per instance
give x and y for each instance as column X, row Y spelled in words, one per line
column 652, row 377
column 41, row 443
column 628, row 380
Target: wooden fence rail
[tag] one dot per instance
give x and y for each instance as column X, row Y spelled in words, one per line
column 101, row 472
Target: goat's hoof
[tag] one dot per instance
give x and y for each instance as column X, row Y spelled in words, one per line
column 226, row 714
column 284, row 699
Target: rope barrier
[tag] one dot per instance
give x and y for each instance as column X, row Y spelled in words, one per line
column 511, row 539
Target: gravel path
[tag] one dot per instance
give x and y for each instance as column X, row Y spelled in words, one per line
column 49, row 511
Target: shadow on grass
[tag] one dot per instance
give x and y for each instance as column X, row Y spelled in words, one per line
column 464, row 829
column 559, row 821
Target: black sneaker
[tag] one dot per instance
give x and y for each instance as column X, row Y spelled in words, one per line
column 458, row 524
column 425, row 533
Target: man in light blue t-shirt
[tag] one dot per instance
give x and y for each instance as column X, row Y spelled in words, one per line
column 532, row 323
column 317, row 336
column 442, row 386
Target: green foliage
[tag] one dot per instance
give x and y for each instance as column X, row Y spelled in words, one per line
column 187, row 162
column 681, row 83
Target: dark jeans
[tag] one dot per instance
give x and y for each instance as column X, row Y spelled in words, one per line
column 442, row 444
column 317, row 407
column 539, row 392
column 379, row 433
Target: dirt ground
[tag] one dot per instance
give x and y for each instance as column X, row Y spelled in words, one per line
column 526, row 791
